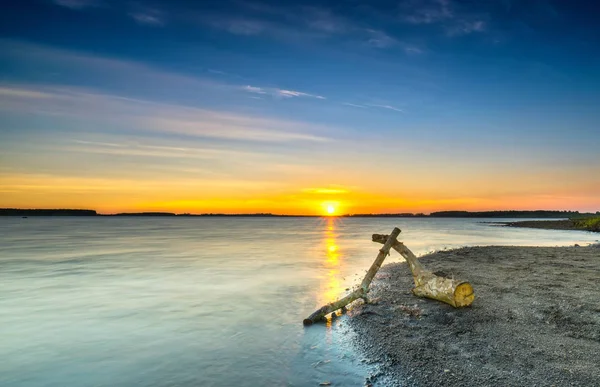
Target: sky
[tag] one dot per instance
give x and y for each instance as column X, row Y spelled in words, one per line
column 297, row 106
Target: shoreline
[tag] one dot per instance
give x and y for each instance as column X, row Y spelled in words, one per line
column 543, row 224
column 565, row 224
column 535, row 320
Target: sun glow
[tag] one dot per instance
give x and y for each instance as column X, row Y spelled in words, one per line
column 330, row 208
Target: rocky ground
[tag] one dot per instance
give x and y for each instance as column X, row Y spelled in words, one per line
column 535, row 320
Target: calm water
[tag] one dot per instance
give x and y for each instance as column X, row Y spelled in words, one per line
column 197, row 301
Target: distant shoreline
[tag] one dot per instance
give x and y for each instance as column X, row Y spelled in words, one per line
column 440, row 214
column 567, row 224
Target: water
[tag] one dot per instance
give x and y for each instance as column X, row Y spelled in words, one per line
column 198, row 301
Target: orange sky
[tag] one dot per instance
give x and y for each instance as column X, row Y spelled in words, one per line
column 119, row 132
column 176, row 194
column 112, row 154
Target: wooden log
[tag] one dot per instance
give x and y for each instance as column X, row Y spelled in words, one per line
column 427, row 284
column 362, row 291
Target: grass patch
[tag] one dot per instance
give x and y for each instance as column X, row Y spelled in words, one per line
column 590, row 224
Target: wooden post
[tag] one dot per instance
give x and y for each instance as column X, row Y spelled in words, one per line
column 448, row 290
column 362, row 291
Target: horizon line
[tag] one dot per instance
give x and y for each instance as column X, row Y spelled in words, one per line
column 91, row 212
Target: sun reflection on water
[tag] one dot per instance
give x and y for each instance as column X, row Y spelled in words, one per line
column 332, row 287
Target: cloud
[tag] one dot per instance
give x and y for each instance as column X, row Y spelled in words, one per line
column 141, row 116
column 22, row 93
column 322, row 19
column 464, row 27
column 282, row 93
column 299, row 23
column 252, row 89
column 78, row 4
column 222, row 127
column 456, row 21
column 387, row 107
column 380, row 39
column 125, row 78
column 412, row 50
column 297, row 17
column 354, row 105
column 293, row 93
column 425, row 12
column 148, row 17
column 97, row 69
column 143, row 148
column 239, row 26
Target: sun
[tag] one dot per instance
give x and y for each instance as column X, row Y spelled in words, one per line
column 330, row 208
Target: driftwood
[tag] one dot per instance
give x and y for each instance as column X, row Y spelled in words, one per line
column 427, row 284
column 362, row 291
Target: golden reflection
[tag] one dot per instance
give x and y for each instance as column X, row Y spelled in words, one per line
column 332, row 287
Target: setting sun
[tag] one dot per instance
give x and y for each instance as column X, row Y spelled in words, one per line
column 330, row 208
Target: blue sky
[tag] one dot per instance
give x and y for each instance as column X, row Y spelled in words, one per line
column 477, row 104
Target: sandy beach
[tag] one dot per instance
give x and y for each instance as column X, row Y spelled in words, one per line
column 535, row 320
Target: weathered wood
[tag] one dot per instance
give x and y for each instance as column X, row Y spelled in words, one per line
column 427, row 284
column 362, row 291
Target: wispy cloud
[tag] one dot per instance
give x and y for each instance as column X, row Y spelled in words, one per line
column 118, row 71
column 282, row 93
column 240, row 26
column 142, row 148
column 322, row 19
column 354, row 105
column 23, row 93
column 456, row 21
column 387, row 107
column 373, row 105
column 148, row 17
column 138, row 76
column 425, row 11
column 145, row 116
column 253, row 89
column 293, row 93
column 412, row 50
column 318, row 19
column 465, row 27
column 78, row 4
column 380, row 39
column 293, row 23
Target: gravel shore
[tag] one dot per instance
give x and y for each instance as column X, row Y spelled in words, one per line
column 535, row 320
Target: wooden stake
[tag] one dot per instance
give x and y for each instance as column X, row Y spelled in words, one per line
column 362, row 291
column 448, row 290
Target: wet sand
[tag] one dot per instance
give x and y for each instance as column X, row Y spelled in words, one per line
column 535, row 320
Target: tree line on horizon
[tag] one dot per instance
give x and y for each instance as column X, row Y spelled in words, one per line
column 437, row 214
